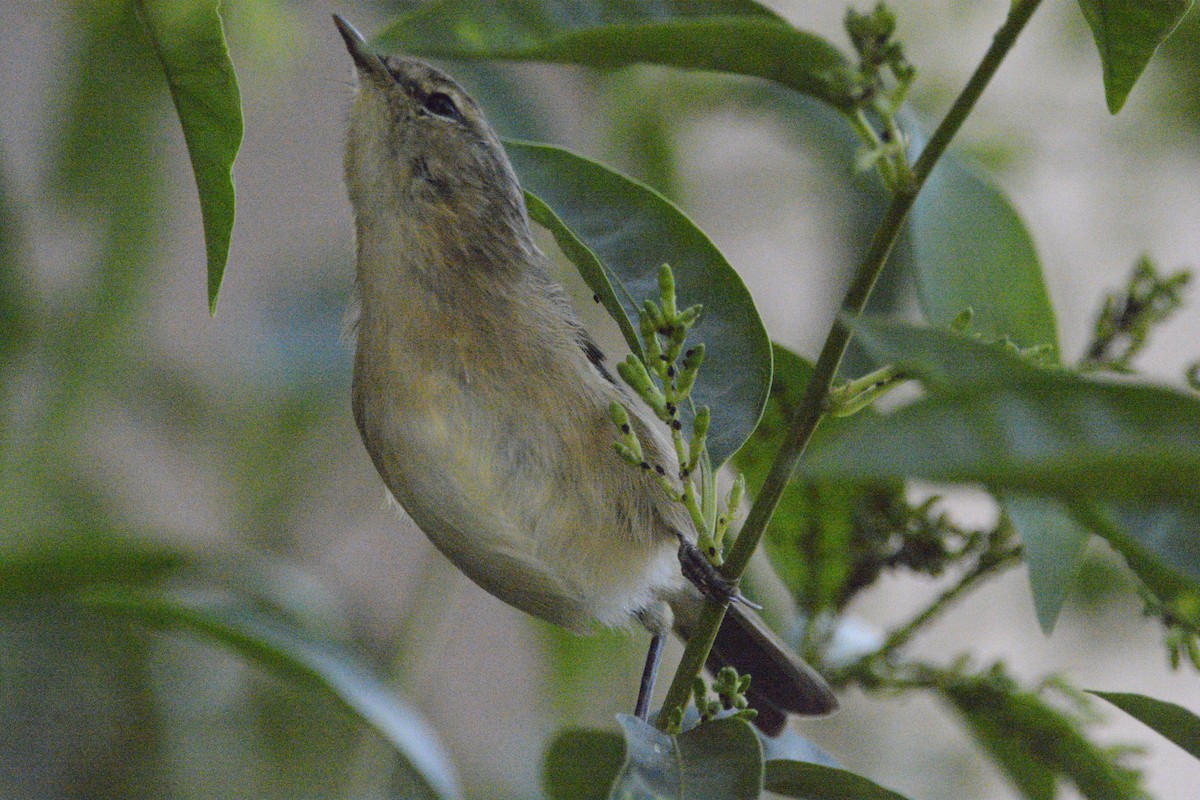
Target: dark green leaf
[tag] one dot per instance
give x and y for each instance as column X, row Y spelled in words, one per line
column 1053, row 433
column 60, row 568
column 1127, row 32
column 819, row 782
column 740, row 37
column 582, row 764
column 1174, row 722
column 1054, row 543
column 1123, row 458
column 717, row 761
column 292, row 652
column 1033, row 742
column 971, row 250
column 189, row 41
column 618, row 232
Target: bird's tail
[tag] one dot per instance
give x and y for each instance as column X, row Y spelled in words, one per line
column 781, row 682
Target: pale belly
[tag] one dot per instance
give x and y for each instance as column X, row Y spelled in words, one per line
column 533, row 506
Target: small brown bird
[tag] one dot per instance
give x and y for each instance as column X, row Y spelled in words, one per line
column 484, row 404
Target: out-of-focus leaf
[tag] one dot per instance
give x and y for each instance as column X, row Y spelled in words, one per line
column 971, row 250
column 1033, row 742
column 1174, row 722
column 294, row 653
column 1054, row 543
column 52, row 570
column 739, row 36
column 1127, row 32
column 582, row 764
column 618, row 232
column 718, row 761
column 820, row 782
column 189, row 41
column 13, row 314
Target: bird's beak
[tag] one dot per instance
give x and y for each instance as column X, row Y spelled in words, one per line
column 365, row 60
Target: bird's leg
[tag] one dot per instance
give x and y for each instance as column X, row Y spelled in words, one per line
column 705, row 577
column 649, row 673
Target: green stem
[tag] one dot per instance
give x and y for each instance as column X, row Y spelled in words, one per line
column 809, row 412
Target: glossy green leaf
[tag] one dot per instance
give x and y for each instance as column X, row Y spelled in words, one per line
column 292, row 652
column 1033, row 742
column 737, row 36
column 1127, row 32
column 189, row 40
column 618, row 232
column 718, row 761
column 582, row 764
column 971, row 250
column 1174, row 722
column 1054, row 544
column 819, row 782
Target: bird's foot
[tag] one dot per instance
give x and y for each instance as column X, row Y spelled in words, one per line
column 705, row 577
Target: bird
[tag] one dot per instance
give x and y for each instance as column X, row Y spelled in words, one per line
column 484, row 403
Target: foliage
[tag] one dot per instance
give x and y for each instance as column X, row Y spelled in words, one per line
column 1066, row 452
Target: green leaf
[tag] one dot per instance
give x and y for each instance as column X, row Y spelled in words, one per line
column 1127, row 32
column 1051, row 433
column 819, row 782
column 971, row 250
column 1174, row 722
column 718, row 761
column 1054, row 543
column 1123, row 458
column 57, row 568
column 582, row 764
column 189, row 40
column 292, row 652
column 739, row 37
column 1033, row 742
column 618, row 232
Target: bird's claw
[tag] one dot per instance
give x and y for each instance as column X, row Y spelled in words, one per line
column 705, row 577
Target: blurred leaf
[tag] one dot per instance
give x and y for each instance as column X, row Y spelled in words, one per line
column 717, row 761
column 618, row 232
column 1127, row 32
column 738, row 36
column 820, row 782
column 291, row 651
column 971, row 250
column 14, row 322
column 1054, row 547
column 582, row 764
column 1033, row 742
column 1050, row 433
column 1123, row 458
column 52, row 570
column 189, row 41
column 1174, row 722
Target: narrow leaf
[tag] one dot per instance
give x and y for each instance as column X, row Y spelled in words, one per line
column 970, row 249
column 1174, row 722
column 1127, row 32
column 820, row 782
column 619, row 232
column 292, row 652
column 189, row 40
column 739, row 37
column 1054, row 545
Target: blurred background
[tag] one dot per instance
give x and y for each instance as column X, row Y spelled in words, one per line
column 130, row 418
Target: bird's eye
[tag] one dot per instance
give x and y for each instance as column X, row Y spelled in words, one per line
column 443, row 105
